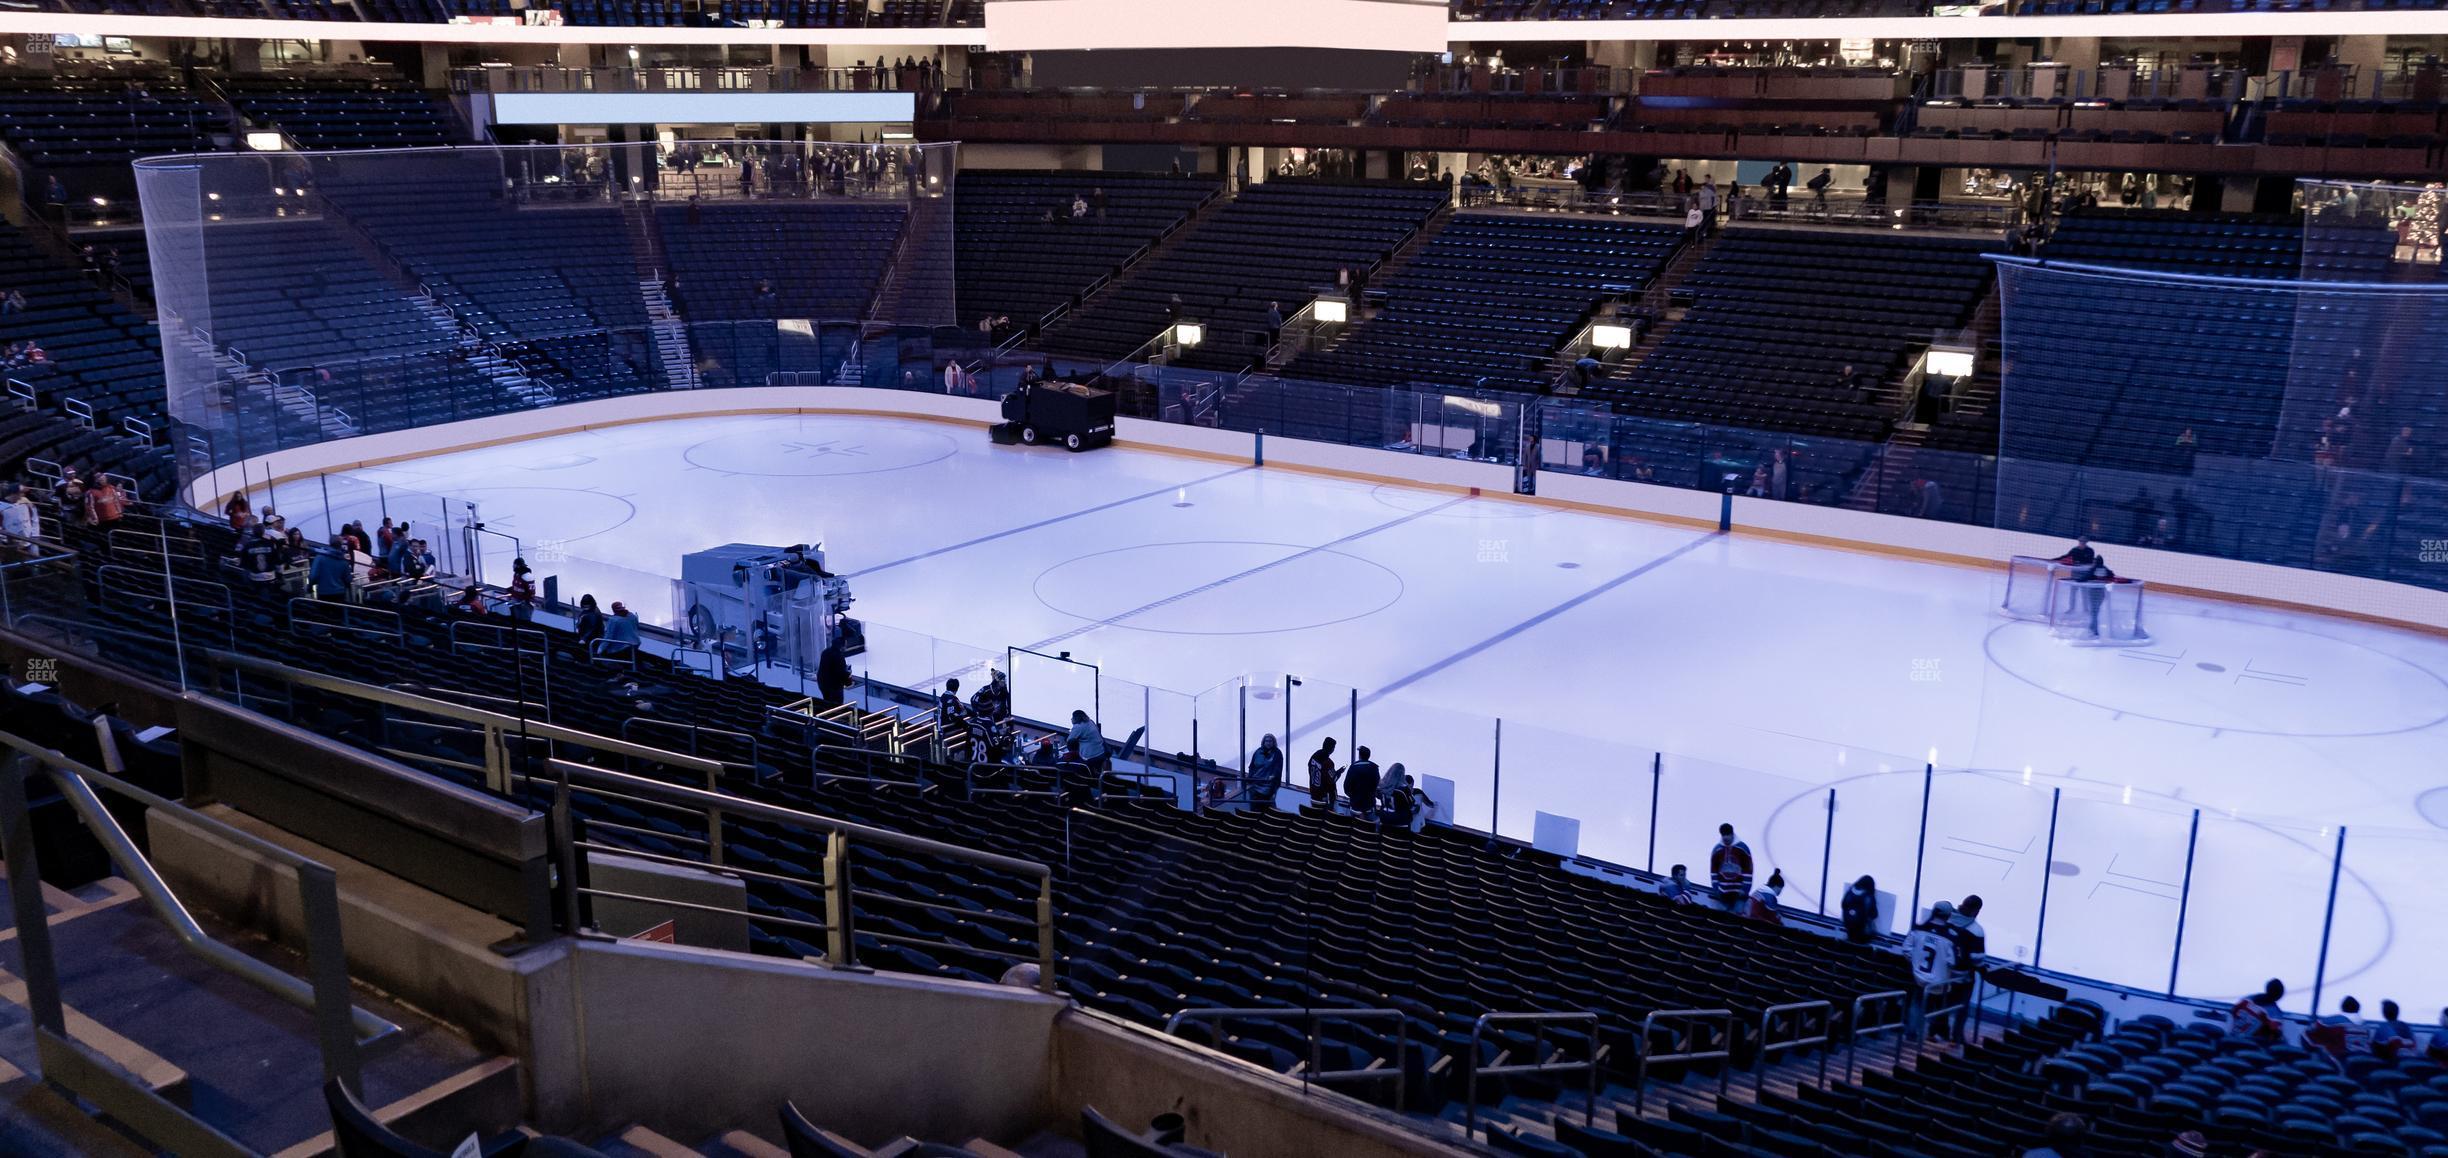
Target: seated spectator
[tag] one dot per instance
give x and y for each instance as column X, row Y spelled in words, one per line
column 1678, row 887
column 2438, row 1049
column 1405, row 802
column 2392, row 1038
column 2069, row 1136
column 1763, row 903
column 2257, row 1019
column 2342, row 1034
column 12, row 302
column 470, row 601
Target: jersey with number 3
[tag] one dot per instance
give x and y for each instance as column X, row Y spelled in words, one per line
column 1932, row 957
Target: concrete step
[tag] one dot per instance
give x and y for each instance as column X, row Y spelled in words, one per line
column 641, row 1142
column 741, row 1144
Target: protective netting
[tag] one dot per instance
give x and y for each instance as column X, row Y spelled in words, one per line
column 313, row 296
column 2294, row 422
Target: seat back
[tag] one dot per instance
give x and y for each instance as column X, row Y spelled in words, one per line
column 806, row 1141
column 355, row 1133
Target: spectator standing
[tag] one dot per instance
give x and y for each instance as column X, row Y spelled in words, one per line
column 1730, row 869
column 522, row 592
column 2256, row 1018
column 104, row 503
column 1818, row 185
column 19, row 520
column 1930, row 953
column 1360, row 784
column 832, row 672
column 1087, row 743
column 1264, row 775
column 992, row 702
column 948, row 703
column 1096, row 201
column 621, row 627
column 1707, row 200
column 328, row 575
column 1322, row 775
column 1861, row 911
column 1970, row 939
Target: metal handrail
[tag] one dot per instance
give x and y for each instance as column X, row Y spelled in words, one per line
column 1855, row 1031
column 1697, row 1019
column 77, row 782
column 694, row 731
column 1538, row 1065
column 497, row 725
column 971, row 791
column 1316, row 1070
column 341, row 615
column 839, row 834
column 1800, row 1019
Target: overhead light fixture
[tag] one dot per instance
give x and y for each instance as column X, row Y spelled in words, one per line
column 1948, row 363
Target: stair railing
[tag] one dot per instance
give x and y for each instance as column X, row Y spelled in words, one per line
column 1692, row 1035
column 343, row 1031
column 1540, row 1061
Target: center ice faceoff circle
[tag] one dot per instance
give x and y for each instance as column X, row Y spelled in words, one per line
column 2232, row 676
column 1274, row 587
column 820, row 449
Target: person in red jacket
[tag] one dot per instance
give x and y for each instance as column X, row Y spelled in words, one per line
column 1730, row 869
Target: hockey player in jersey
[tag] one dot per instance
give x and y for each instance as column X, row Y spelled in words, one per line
column 1730, row 870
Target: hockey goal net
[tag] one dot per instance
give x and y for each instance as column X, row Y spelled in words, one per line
column 2088, row 612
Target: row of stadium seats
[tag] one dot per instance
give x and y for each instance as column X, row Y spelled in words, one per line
column 1015, row 261
column 1777, row 315
column 343, row 113
column 1281, row 242
column 1492, row 297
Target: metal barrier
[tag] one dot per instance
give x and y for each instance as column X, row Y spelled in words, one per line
column 1537, row 1065
column 1856, row 1030
column 1316, row 1071
column 342, row 1030
column 346, row 617
column 126, row 541
column 1796, row 1017
column 838, row 888
column 1688, row 1040
column 969, row 780
column 697, row 735
column 503, row 734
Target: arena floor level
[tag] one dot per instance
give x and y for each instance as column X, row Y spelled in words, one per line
column 1752, row 676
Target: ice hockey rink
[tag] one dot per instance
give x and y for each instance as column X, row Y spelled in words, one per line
column 1650, row 677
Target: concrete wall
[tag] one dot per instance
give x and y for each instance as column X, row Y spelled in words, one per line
column 693, row 1041
column 1130, row 1074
